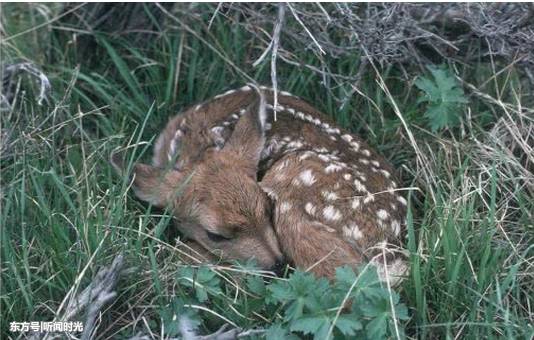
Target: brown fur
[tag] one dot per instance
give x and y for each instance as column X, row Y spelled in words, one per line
column 335, row 199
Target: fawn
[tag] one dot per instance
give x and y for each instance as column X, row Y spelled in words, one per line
column 250, row 185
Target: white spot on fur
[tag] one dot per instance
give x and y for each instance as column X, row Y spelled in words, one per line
column 290, row 110
column 307, row 177
column 300, row 115
column 198, row 107
column 347, row 177
column 178, row 134
column 317, row 121
column 366, row 152
column 333, row 138
column 359, row 186
column 385, row 173
column 245, row 88
column 355, row 204
column 376, row 163
column 235, row 116
column 325, row 126
column 332, row 168
column 217, row 136
column 295, row 145
column 324, row 158
column 352, row 231
column 305, row 155
column 348, row 138
column 395, row 226
column 321, row 150
column 402, row 200
column 216, row 130
column 332, row 214
column 364, row 161
column 369, row 198
column 382, row 214
column 310, row 208
column 309, row 118
column 393, row 206
column 242, row 112
column 329, row 195
column 285, row 207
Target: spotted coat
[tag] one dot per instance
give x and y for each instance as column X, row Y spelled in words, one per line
column 336, row 200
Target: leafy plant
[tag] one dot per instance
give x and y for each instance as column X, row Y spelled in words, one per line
column 444, row 96
column 176, row 316
column 352, row 306
column 312, row 306
column 204, row 281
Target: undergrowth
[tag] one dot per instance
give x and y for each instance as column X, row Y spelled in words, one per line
column 460, row 135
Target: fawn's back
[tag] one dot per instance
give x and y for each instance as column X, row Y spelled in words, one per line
column 336, row 201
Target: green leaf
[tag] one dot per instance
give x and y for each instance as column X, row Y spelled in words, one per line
column 348, row 324
column 256, row 285
column 377, row 328
column 204, row 281
column 368, row 285
column 308, row 325
column 443, row 95
column 277, row 332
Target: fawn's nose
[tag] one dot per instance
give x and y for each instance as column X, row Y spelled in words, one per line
column 278, row 267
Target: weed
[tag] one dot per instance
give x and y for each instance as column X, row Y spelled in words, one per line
column 444, row 98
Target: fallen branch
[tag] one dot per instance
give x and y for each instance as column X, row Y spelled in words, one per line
column 93, row 298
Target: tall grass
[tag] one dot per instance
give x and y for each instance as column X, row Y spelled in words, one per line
column 65, row 212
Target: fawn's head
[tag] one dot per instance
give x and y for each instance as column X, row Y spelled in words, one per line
column 216, row 199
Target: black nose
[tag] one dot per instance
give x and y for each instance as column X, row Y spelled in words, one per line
column 279, row 267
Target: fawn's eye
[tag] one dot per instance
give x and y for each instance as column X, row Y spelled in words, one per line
column 216, row 237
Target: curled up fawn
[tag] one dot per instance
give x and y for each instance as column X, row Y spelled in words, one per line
column 243, row 185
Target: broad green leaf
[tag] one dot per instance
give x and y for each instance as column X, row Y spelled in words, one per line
column 443, row 96
column 277, row 332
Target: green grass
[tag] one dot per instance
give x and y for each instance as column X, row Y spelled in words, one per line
column 65, row 212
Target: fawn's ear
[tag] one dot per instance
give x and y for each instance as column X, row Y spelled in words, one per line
column 154, row 185
column 248, row 138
